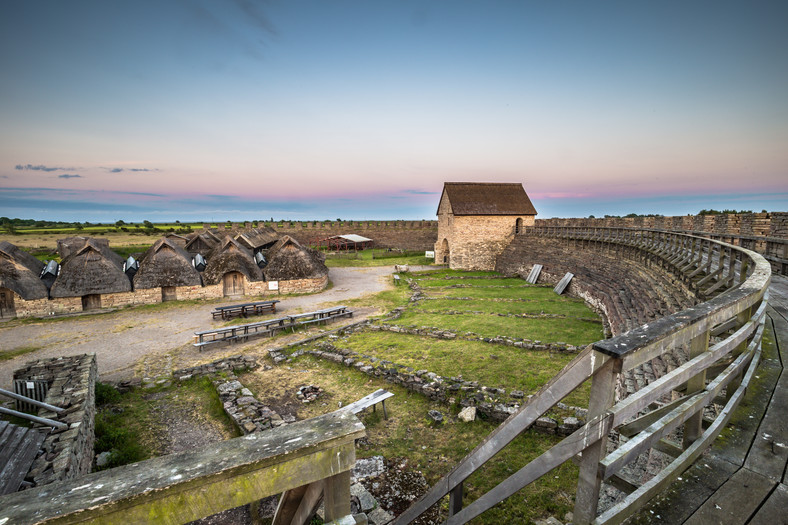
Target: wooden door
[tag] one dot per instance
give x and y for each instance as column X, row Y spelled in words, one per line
column 167, row 293
column 233, row 284
column 91, row 302
column 7, row 303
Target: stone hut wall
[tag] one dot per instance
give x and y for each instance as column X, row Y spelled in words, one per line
column 69, row 305
column 66, row 454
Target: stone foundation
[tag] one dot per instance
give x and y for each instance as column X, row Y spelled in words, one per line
column 66, row 454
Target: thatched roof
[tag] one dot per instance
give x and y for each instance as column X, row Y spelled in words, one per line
column 177, row 239
column 92, row 269
column 202, row 242
column 287, row 259
column 230, row 256
column 487, row 198
column 19, row 271
column 166, row 264
column 69, row 245
column 258, row 238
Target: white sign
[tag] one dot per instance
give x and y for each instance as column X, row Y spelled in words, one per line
column 273, row 285
column 429, row 255
column 30, row 385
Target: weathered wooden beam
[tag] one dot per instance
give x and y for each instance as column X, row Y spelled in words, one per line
column 184, row 487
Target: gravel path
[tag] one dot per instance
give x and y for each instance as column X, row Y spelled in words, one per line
column 147, row 343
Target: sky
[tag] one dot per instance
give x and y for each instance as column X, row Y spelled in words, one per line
column 246, row 110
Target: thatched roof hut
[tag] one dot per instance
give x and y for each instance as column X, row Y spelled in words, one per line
column 166, row 264
column 20, row 271
column 257, row 239
column 287, row 259
column 202, row 243
column 229, row 256
column 91, row 269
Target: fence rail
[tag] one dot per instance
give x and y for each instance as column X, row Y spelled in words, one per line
column 733, row 281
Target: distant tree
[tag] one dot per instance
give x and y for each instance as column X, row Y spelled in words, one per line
column 119, row 223
column 149, row 225
column 591, row 217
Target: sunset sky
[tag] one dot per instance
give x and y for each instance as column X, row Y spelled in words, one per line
column 245, row 110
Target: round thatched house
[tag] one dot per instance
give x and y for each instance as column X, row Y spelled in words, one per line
column 202, row 242
column 89, row 272
column 231, row 264
column 166, row 265
column 19, row 278
column 288, row 260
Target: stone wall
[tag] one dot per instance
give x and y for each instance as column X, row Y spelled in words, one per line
column 70, row 305
column 401, row 235
column 774, row 224
column 475, row 242
column 66, row 454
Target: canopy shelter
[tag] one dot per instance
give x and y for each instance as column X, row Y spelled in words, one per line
column 349, row 241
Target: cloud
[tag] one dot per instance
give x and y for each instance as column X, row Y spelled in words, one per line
column 120, row 170
column 39, row 167
column 420, row 192
column 69, row 176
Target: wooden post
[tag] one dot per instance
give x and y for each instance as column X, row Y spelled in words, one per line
column 741, row 318
column 693, row 427
column 455, row 500
column 336, row 496
column 603, row 394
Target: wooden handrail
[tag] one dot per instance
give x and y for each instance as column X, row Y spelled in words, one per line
column 740, row 276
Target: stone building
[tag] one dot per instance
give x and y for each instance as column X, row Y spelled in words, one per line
column 477, row 220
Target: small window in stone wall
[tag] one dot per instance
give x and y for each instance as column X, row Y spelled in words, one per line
column 518, row 226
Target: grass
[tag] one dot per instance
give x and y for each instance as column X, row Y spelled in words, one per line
column 560, row 306
column 131, row 425
column 475, row 283
column 572, row 331
column 7, row 355
column 433, row 450
column 366, row 258
column 492, row 365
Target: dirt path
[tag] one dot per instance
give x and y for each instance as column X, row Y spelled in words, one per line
column 149, row 342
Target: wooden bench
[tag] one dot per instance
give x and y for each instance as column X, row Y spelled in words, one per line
column 268, row 327
column 378, row 396
column 244, row 310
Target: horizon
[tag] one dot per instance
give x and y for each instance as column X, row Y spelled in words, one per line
column 209, row 111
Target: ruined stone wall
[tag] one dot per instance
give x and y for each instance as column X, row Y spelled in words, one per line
column 400, row 235
column 66, row 454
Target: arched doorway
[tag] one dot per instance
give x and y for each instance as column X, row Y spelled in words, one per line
column 518, row 226
column 7, row 303
column 233, row 284
column 445, row 251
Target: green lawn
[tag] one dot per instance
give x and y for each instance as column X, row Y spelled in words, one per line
column 559, row 306
column 491, row 365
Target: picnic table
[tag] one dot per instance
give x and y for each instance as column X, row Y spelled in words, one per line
column 268, row 327
column 245, row 309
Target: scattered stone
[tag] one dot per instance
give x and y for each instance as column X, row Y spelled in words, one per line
column 467, row 414
column 436, row 418
column 103, row 459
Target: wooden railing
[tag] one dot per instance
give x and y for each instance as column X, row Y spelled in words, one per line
column 305, row 460
column 735, row 281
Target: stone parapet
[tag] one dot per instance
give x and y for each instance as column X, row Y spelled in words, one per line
column 66, row 454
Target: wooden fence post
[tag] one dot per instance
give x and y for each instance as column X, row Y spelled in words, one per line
column 693, row 428
column 603, row 395
column 336, row 496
